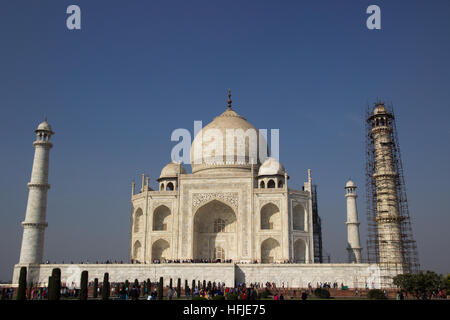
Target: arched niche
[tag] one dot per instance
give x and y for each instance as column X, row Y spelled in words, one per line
column 170, row 186
column 137, row 251
column 160, row 250
column 137, row 220
column 214, row 226
column 300, row 251
column 298, row 215
column 161, row 218
column 270, row 250
column 270, row 217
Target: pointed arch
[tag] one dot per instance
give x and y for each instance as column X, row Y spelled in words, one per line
column 271, row 184
column 170, row 187
column 137, row 220
column 161, row 218
column 270, row 217
column 298, row 217
column 300, row 251
column 280, row 183
column 137, row 251
column 160, row 250
column 270, row 250
column 214, row 226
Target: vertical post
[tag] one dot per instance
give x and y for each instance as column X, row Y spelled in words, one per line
column 143, row 182
column 161, row 288
column 105, row 287
column 21, row 292
column 84, row 285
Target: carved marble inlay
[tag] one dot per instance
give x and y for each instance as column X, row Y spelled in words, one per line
column 231, row 198
column 262, row 203
column 157, row 204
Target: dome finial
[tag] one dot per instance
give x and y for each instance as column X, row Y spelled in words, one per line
column 229, row 99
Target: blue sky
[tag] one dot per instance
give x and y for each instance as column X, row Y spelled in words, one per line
column 115, row 90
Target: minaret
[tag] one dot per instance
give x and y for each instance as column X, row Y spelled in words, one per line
column 387, row 218
column 353, row 244
column 34, row 225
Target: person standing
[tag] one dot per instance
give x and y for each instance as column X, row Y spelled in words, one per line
column 188, row 293
column 154, row 294
column 304, row 295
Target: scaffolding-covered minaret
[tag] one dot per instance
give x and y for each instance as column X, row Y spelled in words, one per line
column 390, row 240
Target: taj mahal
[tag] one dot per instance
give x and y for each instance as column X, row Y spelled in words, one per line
column 236, row 220
column 227, row 210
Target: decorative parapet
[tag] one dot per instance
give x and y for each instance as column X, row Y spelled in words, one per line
column 39, row 185
column 39, row 225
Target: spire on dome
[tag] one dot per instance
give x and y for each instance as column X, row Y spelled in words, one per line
column 229, row 99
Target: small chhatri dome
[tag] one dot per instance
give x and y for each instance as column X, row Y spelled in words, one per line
column 350, row 184
column 44, row 126
column 379, row 108
column 271, row 167
column 172, row 170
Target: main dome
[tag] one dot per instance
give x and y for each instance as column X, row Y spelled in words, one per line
column 213, row 137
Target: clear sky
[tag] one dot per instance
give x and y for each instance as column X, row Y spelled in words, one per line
column 115, row 90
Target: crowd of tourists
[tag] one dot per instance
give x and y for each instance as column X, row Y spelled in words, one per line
column 327, row 285
column 7, row 294
column 87, row 262
column 210, row 291
column 151, row 291
column 256, row 261
column 34, row 293
column 441, row 294
column 158, row 261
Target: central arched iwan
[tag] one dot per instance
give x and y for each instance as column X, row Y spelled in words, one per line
column 214, row 227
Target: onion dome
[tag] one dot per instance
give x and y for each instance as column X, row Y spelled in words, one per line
column 271, row 167
column 172, row 170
